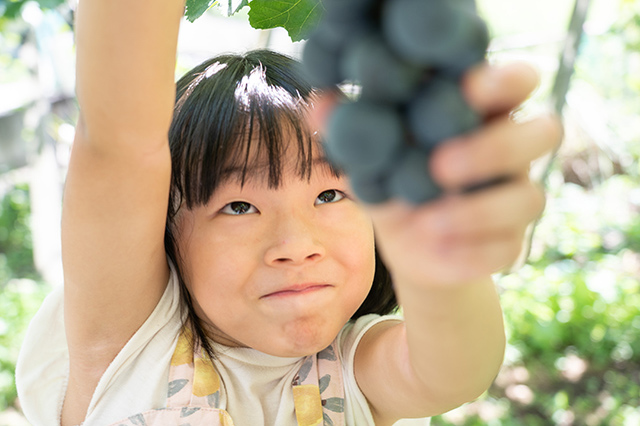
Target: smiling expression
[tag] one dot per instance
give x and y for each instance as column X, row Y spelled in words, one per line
column 281, row 269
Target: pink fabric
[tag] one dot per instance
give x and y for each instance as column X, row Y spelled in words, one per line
column 194, row 391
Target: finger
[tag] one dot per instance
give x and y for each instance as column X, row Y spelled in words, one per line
column 322, row 104
column 387, row 213
column 493, row 90
column 505, row 208
column 502, row 148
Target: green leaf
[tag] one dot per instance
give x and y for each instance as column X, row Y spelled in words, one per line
column 195, row 8
column 236, row 5
column 298, row 17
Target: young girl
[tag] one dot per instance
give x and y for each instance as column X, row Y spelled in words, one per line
column 225, row 274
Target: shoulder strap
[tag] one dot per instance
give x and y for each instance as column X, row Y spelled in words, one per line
column 318, row 390
column 193, row 380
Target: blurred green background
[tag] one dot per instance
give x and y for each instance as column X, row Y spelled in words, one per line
column 572, row 311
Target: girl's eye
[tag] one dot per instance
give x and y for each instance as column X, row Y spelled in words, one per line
column 330, row 196
column 239, row 208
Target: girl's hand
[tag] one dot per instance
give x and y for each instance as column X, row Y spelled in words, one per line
column 466, row 236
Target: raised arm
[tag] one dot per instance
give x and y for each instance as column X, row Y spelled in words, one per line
column 117, row 187
column 441, row 256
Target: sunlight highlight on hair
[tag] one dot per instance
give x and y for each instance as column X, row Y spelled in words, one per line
column 210, row 71
column 256, row 86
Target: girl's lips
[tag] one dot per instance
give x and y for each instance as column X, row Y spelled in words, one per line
column 295, row 290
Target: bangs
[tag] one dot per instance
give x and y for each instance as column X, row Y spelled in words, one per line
column 239, row 117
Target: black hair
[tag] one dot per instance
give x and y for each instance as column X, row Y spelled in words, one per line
column 230, row 111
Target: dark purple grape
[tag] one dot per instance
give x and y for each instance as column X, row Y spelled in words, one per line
column 408, row 57
column 381, row 74
column 363, row 138
column 372, row 189
column 431, row 33
column 472, row 53
column 440, row 112
column 336, row 31
column 321, row 64
column 469, row 5
column 410, row 178
column 352, row 9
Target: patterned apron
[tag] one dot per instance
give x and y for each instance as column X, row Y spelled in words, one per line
column 194, row 391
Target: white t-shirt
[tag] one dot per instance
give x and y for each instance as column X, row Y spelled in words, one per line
column 258, row 387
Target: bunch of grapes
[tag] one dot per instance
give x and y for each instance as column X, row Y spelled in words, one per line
column 407, row 57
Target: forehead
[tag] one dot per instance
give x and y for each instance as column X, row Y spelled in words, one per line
column 260, row 166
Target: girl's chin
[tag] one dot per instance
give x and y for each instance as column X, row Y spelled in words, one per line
column 295, row 337
column 298, row 347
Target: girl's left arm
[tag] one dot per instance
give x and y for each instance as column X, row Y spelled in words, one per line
column 441, row 256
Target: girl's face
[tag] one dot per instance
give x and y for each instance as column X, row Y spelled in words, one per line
column 278, row 270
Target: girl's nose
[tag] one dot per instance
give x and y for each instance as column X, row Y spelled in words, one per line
column 294, row 242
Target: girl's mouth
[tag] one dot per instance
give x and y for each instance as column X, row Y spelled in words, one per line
column 296, row 290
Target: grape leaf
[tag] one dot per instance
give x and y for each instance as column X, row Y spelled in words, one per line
column 236, row 5
column 195, row 8
column 298, row 17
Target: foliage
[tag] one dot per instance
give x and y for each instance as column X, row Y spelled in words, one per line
column 19, row 301
column 298, row 17
column 196, row 8
column 628, row 28
column 16, row 253
column 573, row 317
column 573, row 313
column 20, row 297
column 11, row 9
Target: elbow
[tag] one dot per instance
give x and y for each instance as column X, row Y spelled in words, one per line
column 462, row 394
column 485, row 376
column 488, row 370
column 466, row 380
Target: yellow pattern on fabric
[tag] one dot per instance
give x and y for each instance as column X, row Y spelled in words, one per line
column 225, row 420
column 308, row 405
column 183, row 353
column 205, row 378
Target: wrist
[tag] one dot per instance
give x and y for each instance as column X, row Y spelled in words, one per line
column 443, row 298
